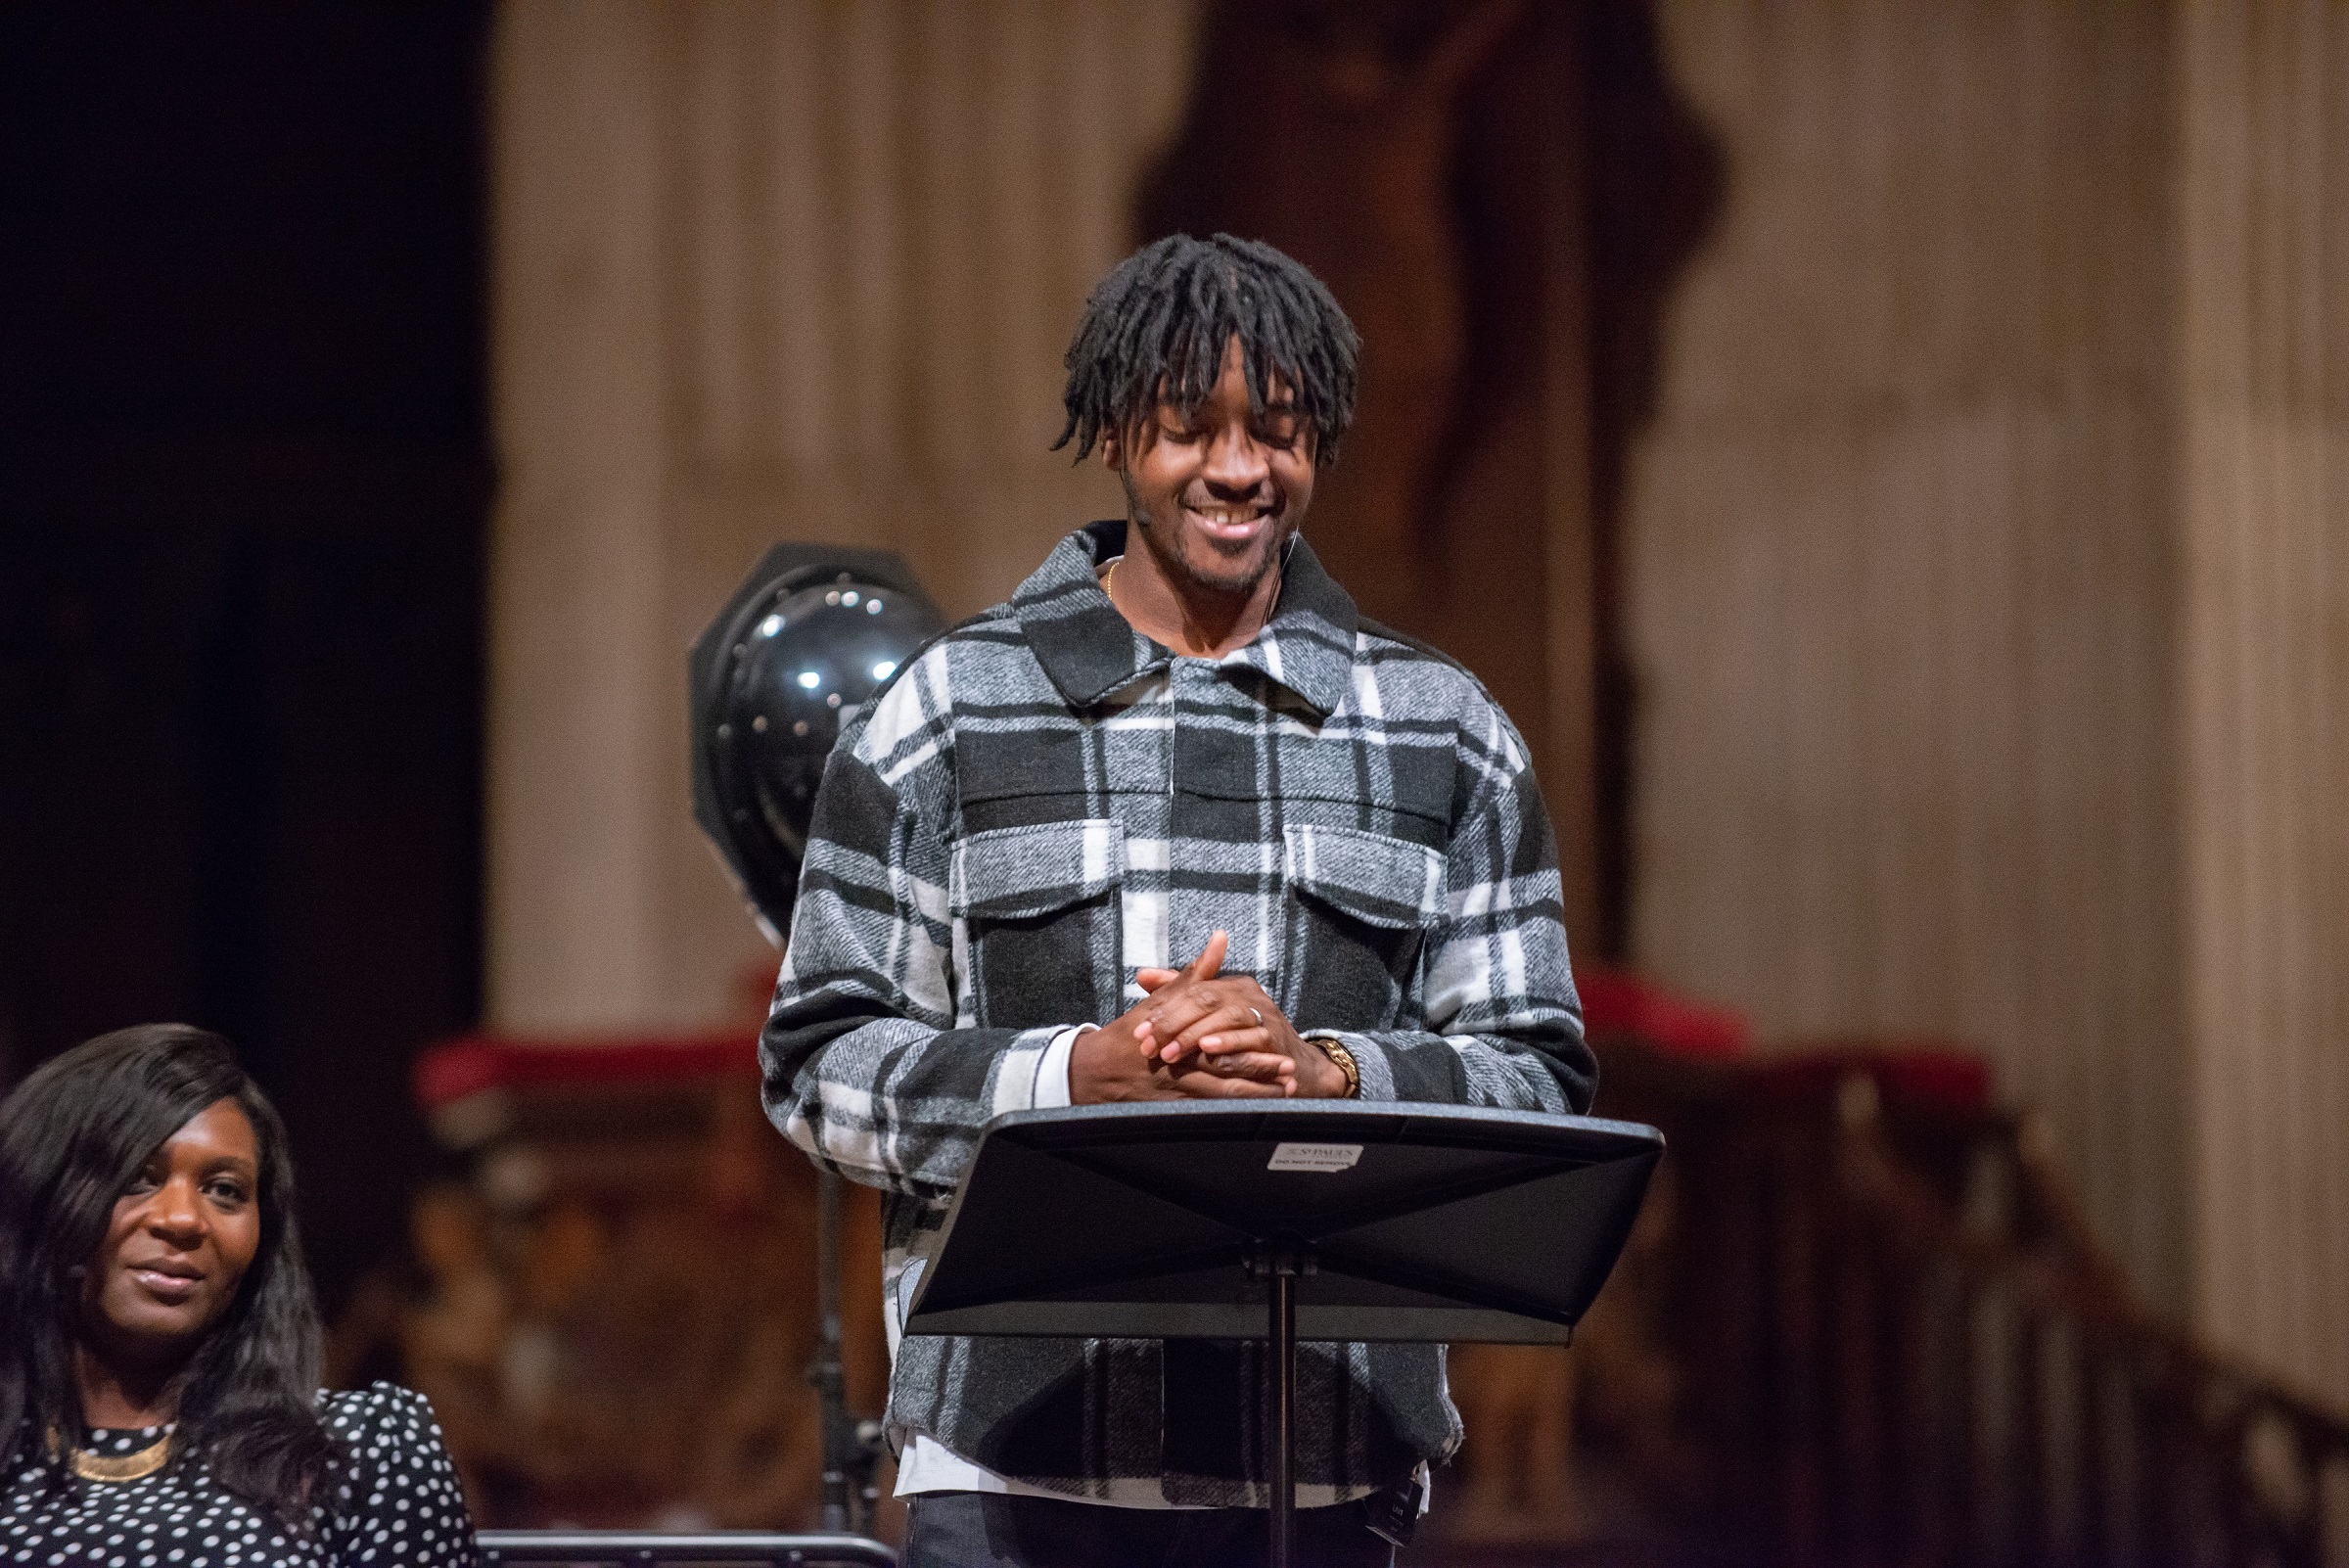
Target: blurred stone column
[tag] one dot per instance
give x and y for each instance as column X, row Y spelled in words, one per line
column 1899, row 566
column 762, row 270
column 2263, row 403
column 1988, row 586
column 579, row 663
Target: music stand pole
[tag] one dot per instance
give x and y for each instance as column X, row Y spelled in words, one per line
column 1278, row 1265
column 1284, row 1395
column 827, row 1375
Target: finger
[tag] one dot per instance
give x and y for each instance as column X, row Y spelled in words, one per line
column 1184, row 1010
column 1201, row 1086
column 1266, row 1067
column 1159, row 1053
column 1152, row 1040
column 1262, row 1065
column 1210, row 962
column 1231, row 1027
column 1192, row 1013
column 1228, row 1015
column 1173, row 1056
column 1152, row 979
column 1177, row 1050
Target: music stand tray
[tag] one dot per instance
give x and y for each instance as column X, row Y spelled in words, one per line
column 1329, row 1220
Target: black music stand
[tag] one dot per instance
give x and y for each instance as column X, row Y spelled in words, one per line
column 1337, row 1220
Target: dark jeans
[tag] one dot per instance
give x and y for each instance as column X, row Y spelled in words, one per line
column 990, row 1530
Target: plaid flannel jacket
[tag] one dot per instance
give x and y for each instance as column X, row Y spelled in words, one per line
column 1044, row 802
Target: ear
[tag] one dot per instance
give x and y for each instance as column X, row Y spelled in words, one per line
column 1113, row 451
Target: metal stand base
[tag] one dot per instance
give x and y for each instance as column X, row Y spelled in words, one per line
column 851, row 1448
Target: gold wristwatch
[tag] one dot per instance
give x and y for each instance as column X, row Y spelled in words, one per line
column 1337, row 1053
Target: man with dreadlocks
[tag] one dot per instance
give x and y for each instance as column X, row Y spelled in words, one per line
column 1174, row 822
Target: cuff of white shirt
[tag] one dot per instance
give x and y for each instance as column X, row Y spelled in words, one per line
column 1052, row 1072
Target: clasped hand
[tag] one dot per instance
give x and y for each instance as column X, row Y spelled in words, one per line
column 1196, row 1035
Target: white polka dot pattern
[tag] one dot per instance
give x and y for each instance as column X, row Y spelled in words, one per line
column 397, row 1502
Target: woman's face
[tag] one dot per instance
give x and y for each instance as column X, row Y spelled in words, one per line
column 182, row 1236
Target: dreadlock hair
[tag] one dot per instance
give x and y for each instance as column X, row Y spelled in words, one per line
column 73, row 1137
column 1155, row 330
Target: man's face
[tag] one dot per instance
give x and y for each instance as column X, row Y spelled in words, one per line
column 1217, row 494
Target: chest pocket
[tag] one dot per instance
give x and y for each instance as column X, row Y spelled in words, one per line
column 1036, row 928
column 1360, row 910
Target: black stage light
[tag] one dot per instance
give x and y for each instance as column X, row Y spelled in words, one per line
column 808, row 639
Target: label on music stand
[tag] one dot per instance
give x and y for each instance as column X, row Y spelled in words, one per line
column 1324, row 1157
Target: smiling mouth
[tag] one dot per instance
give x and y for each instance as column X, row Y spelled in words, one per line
column 170, row 1281
column 1233, row 523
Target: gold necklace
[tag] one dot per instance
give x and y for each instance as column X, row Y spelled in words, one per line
column 1108, row 580
column 106, row 1467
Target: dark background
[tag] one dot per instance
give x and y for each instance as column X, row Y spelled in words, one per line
column 242, row 481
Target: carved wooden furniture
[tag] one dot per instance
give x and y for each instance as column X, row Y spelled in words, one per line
column 614, row 1312
column 1885, row 1335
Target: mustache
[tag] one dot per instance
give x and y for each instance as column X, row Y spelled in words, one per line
column 1264, row 498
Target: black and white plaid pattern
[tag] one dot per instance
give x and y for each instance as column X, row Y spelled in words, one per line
column 1044, row 802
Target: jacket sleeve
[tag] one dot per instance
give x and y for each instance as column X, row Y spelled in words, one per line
column 1504, row 1026
column 860, row 1062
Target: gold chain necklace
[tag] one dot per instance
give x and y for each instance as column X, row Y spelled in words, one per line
column 108, row 1467
column 1108, row 580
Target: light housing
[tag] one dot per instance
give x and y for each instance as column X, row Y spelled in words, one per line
column 812, row 635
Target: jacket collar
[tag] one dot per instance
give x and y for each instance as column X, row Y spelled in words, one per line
column 1089, row 650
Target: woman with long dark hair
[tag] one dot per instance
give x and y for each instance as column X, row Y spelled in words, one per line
column 158, row 1344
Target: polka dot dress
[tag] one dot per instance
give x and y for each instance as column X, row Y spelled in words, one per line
column 397, row 1502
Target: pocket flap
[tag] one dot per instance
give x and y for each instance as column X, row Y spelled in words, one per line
column 1381, row 880
column 1010, row 873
